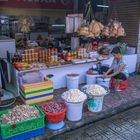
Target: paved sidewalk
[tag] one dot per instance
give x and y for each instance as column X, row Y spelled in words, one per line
column 124, row 126
column 113, row 103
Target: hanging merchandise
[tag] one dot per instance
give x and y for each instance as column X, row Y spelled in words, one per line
column 78, row 20
column 106, row 31
column 114, row 27
column 94, row 29
column 69, row 25
column 84, row 30
column 89, row 15
column 24, row 24
column 73, row 22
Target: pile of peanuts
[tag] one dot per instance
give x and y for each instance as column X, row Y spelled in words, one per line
column 54, row 107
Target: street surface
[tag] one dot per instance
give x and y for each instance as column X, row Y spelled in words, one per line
column 123, row 126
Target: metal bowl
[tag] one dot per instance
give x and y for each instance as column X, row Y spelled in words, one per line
column 84, row 88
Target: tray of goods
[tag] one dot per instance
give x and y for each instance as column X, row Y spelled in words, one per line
column 20, row 120
column 54, row 111
column 95, row 90
column 74, row 96
column 21, row 65
column 52, row 64
column 78, row 61
column 33, row 66
column 91, row 60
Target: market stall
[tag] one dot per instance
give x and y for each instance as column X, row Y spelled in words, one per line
column 41, row 66
column 59, row 72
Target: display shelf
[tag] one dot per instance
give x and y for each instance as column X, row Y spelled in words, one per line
column 59, row 72
column 53, row 67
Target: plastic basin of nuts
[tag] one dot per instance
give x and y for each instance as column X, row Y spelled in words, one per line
column 54, row 111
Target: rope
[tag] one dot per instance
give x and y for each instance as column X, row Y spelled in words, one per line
column 89, row 15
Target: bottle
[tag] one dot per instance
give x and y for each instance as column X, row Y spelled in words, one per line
column 99, row 67
column 68, row 56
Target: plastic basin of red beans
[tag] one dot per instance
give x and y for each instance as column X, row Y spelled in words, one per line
column 54, row 111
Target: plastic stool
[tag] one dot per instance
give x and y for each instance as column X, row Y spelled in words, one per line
column 118, row 84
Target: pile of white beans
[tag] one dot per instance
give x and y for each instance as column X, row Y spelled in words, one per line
column 74, row 96
column 95, row 90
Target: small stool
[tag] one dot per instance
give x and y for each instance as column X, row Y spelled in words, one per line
column 118, row 84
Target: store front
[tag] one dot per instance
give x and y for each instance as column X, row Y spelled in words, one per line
column 42, row 13
column 54, row 49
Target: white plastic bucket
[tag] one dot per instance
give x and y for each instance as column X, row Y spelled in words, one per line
column 90, row 79
column 74, row 111
column 95, row 104
column 103, row 82
column 72, row 82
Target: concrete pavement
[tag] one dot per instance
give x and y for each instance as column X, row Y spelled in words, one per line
column 124, row 126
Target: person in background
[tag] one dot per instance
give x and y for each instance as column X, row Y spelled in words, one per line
column 39, row 39
column 51, row 41
column 104, row 51
column 119, row 68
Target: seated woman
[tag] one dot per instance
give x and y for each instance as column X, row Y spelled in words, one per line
column 119, row 68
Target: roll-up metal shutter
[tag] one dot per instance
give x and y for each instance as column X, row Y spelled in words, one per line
column 128, row 12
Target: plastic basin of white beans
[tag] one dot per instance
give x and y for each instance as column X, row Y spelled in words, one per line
column 74, row 96
column 95, row 90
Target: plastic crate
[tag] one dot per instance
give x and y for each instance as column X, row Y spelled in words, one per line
column 37, row 86
column 27, row 135
column 31, row 77
column 12, row 130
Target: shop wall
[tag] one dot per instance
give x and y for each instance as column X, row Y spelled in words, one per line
column 38, row 7
column 138, row 49
column 32, row 12
column 127, row 12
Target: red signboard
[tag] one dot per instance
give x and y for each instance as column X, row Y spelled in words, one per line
column 40, row 4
